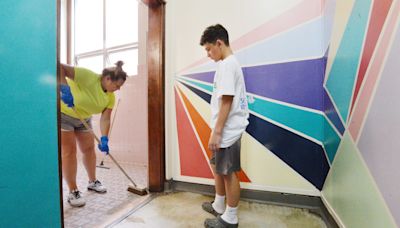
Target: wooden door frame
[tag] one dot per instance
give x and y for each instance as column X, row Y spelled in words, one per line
column 156, row 98
column 155, row 71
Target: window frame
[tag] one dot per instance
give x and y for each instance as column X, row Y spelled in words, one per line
column 104, row 52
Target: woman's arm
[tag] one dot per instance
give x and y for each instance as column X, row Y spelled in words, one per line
column 66, row 71
column 105, row 122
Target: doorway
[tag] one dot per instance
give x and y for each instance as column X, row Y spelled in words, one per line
column 129, row 133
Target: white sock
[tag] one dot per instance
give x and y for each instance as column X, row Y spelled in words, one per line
column 230, row 215
column 219, row 203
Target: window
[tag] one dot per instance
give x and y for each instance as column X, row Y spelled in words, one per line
column 106, row 31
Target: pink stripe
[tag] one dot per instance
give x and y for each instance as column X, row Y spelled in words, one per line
column 372, row 75
column 380, row 10
column 302, row 12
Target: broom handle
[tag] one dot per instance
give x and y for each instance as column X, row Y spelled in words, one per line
column 98, row 141
column 111, row 126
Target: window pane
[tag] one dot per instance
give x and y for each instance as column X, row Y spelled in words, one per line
column 130, row 59
column 121, row 22
column 94, row 64
column 88, row 25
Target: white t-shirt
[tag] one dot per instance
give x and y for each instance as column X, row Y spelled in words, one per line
column 229, row 80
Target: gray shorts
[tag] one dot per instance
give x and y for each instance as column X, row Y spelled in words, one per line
column 69, row 123
column 227, row 160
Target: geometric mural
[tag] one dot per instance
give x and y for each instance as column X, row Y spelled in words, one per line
column 312, row 79
column 362, row 83
column 293, row 126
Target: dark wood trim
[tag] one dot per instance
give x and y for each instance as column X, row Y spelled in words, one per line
column 155, row 69
column 69, row 31
column 154, row 3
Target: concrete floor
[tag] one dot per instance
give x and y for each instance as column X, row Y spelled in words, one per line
column 102, row 208
column 183, row 209
column 121, row 209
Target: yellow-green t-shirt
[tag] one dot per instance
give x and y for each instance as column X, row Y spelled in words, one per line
column 89, row 97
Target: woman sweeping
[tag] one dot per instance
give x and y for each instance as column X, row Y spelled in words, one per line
column 85, row 93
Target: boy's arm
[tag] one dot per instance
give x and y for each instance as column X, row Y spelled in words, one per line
column 216, row 135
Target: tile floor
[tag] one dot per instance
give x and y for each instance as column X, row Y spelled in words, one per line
column 102, row 208
column 183, row 209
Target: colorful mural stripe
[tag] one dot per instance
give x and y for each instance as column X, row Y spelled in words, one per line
column 307, row 152
column 351, row 191
column 204, row 131
column 298, row 152
column 330, row 112
column 298, row 121
column 305, row 39
column 372, row 76
column 299, row 14
column 380, row 10
column 340, row 81
column 340, row 22
column 303, row 78
column 192, row 161
column 379, row 140
column 256, row 160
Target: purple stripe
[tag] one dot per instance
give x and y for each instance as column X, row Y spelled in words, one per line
column 205, row 76
column 299, row 83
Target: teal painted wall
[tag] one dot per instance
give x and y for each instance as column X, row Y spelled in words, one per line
column 29, row 181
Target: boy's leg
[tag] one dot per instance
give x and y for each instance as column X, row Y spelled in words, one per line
column 216, row 207
column 232, row 187
column 219, row 201
column 228, row 163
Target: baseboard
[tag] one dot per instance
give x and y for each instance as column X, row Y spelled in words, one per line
column 313, row 203
column 332, row 212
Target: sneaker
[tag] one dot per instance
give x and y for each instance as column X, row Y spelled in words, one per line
column 96, row 186
column 218, row 222
column 207, row 206
column 75, row 199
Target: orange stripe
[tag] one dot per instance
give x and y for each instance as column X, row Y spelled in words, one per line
column 204, row 131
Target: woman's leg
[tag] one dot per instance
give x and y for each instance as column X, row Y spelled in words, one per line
column 68, row 158
column 86, row 145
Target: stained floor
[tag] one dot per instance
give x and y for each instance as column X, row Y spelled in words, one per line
column 101, row 209
column 183, row 209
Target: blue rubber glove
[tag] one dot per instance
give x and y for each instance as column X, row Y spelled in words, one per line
column 103, row 145
column 66, row 95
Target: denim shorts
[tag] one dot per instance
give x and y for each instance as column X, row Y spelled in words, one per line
column 227, row 160
column 69, row 123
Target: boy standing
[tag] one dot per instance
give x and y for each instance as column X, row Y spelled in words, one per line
column 229, row 112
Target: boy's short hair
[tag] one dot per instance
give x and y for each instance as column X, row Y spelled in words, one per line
column 213, row 33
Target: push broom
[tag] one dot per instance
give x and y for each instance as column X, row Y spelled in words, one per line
column 134, row 189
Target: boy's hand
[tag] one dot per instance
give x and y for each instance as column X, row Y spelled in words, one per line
column 215, row 141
